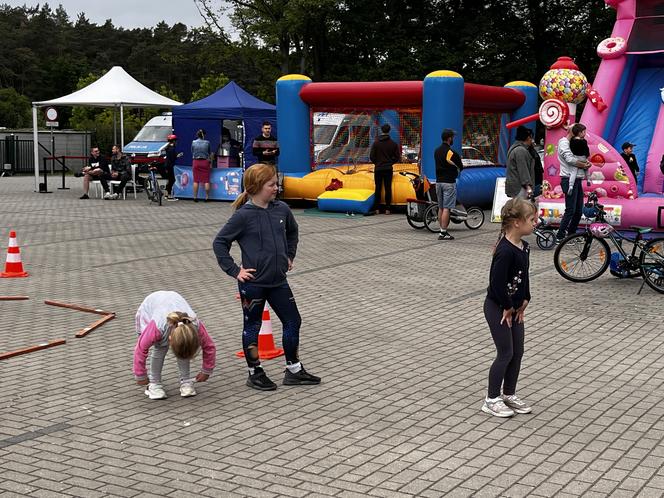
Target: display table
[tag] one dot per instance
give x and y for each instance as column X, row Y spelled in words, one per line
column 225, row 183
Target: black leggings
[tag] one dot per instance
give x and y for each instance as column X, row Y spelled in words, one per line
column 509, row 347
column 283, row 303
column 383, row 178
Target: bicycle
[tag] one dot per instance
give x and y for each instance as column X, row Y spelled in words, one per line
column 152, row 188
column 417, row 207
column 473, row 217
column 584, row 256
column 545, row 235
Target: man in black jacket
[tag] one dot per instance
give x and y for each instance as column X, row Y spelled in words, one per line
column 448, row 167
column 629, row 157
column 384, row 153
column 120, row 170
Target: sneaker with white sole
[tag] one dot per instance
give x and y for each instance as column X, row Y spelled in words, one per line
column 155, row 391
column 187, row 390
column 115, row 197
column 516, row 404
column 497, row 408
column 108, row 196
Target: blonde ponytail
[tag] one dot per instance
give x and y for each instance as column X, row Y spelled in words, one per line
column 240, row 201
column 183, row 338
column 514, row 209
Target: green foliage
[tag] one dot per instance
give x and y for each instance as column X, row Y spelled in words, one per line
column 15, row 109
column 44, row 54
column 209, row 85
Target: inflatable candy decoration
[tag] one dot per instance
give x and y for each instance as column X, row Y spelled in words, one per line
column 611, row 48
column 595, row 99
column 553, row 113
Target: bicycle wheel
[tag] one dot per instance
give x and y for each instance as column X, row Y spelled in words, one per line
column 546, row 239
column 475, row 218
column 148, row 188
column 581, row 257
column 431, row 218
column 415, row 224
column 651, row 262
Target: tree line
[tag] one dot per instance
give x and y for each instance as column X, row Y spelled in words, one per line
column 46, row 54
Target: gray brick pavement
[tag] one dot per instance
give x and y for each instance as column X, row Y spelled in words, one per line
column 392, row 321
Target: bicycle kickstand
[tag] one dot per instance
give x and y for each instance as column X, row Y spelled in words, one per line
column 641, row 288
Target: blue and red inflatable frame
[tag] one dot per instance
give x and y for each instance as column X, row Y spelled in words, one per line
column 443, row 97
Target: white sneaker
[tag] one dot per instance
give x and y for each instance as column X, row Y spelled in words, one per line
column 187, row 390
column 115, row 196
column 517, row 404
column 171, row 198
column 155, row 391
column 108, row 196
column 497, row 408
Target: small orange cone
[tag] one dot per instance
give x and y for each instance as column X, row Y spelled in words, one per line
column 266, row 347
column 13, row 264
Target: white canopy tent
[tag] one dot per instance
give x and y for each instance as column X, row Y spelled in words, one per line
column 115, row 89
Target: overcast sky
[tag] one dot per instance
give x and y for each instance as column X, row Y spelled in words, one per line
column 126, row 13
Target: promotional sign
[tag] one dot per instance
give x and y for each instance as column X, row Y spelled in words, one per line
column 225, row 184
column 552, row 212
column 499, row 199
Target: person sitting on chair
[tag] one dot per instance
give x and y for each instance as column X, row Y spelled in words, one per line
column 97, row 169
column 120, row 170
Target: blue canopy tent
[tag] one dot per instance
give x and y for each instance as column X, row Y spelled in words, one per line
column 229, row 103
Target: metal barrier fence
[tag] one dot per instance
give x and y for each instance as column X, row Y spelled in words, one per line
column 18, row 154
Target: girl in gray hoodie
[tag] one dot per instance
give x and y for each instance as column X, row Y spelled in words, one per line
column 267, row 234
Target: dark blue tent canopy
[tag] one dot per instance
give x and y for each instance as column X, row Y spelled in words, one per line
column 230, row 102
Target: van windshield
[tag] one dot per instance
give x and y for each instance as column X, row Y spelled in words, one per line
column 323, row 134
column 153, row 134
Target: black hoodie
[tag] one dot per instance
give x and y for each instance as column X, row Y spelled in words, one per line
column 267, row 237
column 384, row 152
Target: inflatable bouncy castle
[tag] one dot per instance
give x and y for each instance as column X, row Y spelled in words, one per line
column 326, row 130
column 625, row 103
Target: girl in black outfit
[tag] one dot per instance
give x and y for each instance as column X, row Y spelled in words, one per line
column 505, row 306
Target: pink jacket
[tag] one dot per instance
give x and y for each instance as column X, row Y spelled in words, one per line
column 152, row 335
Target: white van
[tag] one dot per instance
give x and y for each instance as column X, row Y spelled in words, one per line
column 150, row 142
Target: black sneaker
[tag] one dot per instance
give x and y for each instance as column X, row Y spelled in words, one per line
column 445, row 236
column 301, row 378
column 259, row 380
column 559, row 239
column 84, row 196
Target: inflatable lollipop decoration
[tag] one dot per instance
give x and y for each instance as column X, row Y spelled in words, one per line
column 553, row 113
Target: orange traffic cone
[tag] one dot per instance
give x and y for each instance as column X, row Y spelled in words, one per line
column 266, row 348
column 13, row 264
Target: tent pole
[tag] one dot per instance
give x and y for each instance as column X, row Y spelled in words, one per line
column 115, row 128
column 35, row 146
column 121, row 127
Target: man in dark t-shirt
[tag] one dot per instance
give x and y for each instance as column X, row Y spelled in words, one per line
column 96, row 170
column 265, row 146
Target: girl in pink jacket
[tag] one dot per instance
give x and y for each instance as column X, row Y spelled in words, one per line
column 164, row 319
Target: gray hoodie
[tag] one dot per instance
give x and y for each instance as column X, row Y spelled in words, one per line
column 520, row 169
column 267, row 238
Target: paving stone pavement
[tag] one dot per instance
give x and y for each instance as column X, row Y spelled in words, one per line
column 392, row 321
